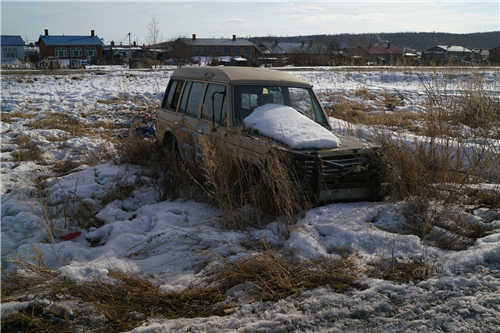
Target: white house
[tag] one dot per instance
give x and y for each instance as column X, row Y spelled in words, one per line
column 12, row 49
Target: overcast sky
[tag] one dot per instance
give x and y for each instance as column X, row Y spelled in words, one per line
column 112, row 20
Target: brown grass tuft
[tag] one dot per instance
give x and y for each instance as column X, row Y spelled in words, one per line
column 365, row 94
column 269, row 185
column 128, row 299
column 27, row 149
column 272, row 277
column 62, row 122
column 10, row 117
column 401, row 271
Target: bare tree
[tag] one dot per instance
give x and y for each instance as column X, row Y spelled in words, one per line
column 180, row 52
column 153, row 31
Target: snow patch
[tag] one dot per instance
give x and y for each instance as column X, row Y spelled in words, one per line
column 287, row 125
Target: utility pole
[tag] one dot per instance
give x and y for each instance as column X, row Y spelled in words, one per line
column 129, row 51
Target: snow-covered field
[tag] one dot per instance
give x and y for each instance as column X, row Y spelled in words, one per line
column 175, row 242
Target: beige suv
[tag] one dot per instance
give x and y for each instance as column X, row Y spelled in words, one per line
column 215, row 102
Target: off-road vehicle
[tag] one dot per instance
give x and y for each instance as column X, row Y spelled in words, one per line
column 213, row 102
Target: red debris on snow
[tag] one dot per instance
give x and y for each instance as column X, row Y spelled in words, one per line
column 70, row 236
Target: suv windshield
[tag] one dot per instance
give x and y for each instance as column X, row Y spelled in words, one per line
column 248, row 97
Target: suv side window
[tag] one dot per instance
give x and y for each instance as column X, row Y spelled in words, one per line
column 185, row 96
column 301, row 101
column 173, row 93
column 218, row 92
column 195, row 97
column 169, row 94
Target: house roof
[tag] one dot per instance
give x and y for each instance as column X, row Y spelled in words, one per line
column 373, row 50
column 11, row 40
column 355, row 51
column 71, row 40
column 273, row 47
column 384, row 50
column 217, row 42
column 453, row 48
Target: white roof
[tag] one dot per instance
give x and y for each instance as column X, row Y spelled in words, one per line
column 454, row 48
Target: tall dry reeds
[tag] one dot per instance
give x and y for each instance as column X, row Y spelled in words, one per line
column 268, row 185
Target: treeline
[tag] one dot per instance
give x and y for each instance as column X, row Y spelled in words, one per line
column 416, row 40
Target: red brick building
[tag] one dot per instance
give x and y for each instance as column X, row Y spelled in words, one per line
column 214, row 47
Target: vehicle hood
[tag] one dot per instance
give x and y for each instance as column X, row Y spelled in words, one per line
column 288, row 126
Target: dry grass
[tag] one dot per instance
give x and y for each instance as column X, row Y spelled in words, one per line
column 357, row 113
column 441, row 225
column 365, row 94
column 113, row 100
column 10, row 117
column 401, row 271
column 62, row 122
column 73, row 126
column 63, row 168
column 472, row 107
column 130, row 299
column 35, row 319
column 121, row 191
column 414, row 171
column 272, row 277
column 27, row 149
column 173, row 175
column 125, row 303
column 343, row 106
column 391, row 101
column 221, row 178
column 482, row 199
column 269, row 185
column 139, row 151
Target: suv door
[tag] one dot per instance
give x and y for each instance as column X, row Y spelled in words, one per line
column 189, row 106
column 168, row 118
column 214, row 112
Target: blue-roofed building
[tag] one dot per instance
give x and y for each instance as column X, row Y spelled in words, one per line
column 87, row 47
column 12, row 49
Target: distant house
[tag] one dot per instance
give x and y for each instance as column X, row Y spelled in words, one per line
column 480, row 55
column 374, row 53
column 448, row 53
column 220, row 47
column 385, row 53
column 298, row 53
column 494, row 56
column 12, row 49
column 71, row 47
column 276, row 47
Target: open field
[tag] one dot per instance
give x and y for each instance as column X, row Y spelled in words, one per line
column 424, row 259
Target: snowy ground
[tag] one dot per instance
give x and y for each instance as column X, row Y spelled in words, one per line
column 176, row 241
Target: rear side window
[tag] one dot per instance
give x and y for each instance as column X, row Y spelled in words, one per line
column 195, row 96
column 172, row 94
column 216, row 93
column 169, row 94
column 185, row 96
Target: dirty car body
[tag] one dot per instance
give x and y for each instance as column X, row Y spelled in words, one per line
column 211, row 102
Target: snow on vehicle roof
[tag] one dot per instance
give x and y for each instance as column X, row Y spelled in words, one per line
column 286, row 125
column 239, row 75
